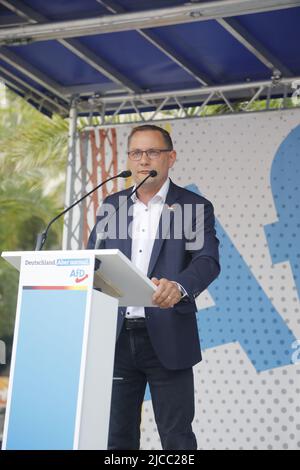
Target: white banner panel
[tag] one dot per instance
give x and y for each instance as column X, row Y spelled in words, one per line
column 248, row 385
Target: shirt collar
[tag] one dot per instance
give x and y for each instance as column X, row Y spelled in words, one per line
column 160, row 196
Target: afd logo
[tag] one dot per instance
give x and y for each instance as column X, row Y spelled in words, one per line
column 79, row 275
column 243, row 312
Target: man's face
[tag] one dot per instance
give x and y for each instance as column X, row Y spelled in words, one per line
column 145, row 140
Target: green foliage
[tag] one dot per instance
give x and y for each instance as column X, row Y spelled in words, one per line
column 33, row 158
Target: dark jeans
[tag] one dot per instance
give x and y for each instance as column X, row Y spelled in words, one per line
column 172, row 393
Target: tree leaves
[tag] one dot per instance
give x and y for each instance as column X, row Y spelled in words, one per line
column 33, row 156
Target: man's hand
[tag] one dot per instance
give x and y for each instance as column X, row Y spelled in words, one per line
column 167, row 295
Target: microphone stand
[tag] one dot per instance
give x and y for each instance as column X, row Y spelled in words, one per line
column 42, row 237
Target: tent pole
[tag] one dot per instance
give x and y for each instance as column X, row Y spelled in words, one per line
column 70, row 175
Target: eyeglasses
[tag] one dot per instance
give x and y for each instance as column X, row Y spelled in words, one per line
column 151, row 153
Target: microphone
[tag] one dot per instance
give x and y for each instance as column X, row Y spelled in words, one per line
column 151, row 174
column 42, row 237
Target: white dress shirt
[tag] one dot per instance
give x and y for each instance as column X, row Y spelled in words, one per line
column 144, row 227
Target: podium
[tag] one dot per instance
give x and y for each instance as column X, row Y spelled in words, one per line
column 64, row 341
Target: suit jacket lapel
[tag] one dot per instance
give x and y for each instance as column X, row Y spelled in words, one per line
column 126, row 243
column 163, row 228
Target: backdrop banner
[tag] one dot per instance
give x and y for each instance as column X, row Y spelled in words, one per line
column 248, row 385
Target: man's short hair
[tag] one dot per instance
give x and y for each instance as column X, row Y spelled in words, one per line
column 152, row 127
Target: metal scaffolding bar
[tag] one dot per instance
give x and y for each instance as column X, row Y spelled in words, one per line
column 233, row 27
column 49, row 103
column 31, row 72
column 200, row 103
column 189, row 13
column 194, row 93
column 166, row 49
column 83, row 52
column 69, row 239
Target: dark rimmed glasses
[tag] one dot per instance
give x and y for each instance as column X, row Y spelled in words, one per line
column 153, row 154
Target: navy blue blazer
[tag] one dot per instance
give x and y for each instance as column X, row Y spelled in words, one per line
column 173, row 331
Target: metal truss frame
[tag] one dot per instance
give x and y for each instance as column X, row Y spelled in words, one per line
column 237, row 98
column 188, row 13
column 84, row 174
column 33, row 17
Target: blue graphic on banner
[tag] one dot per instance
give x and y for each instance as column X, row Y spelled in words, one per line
column 284, row 235
column 242, row 312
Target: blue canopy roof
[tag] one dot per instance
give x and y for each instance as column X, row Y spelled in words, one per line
column 186, row 55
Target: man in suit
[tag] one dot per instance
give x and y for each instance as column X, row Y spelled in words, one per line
column 159, row 344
